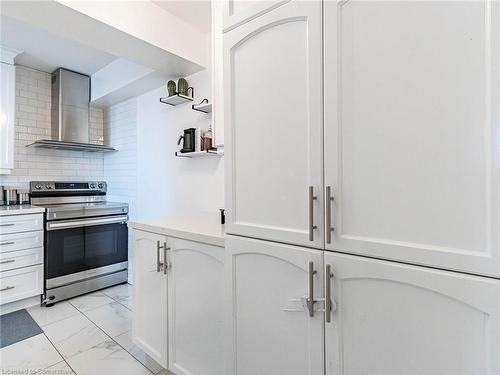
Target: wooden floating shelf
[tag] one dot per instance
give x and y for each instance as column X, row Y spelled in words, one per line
column 176, row 99
column 198, row 154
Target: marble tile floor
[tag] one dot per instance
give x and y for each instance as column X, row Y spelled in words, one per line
column 86, row 335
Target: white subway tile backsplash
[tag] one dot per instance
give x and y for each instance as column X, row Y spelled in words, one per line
column 33, row 103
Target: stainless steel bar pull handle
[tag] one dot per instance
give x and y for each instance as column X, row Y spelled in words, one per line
column 328, row 294
column 328, row 221
column 312, row 227
column 158, row 262
column 7, row 243
column 7, row 261
column 166, row 263
column 7, row 225
column 7, row 288
column 310, row 299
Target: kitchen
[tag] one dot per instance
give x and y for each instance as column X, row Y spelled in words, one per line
column 250, row 187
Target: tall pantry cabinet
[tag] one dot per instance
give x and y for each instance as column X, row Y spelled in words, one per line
column 412, row 146
column 363, row 129
column 7, row 108
column 273, row 108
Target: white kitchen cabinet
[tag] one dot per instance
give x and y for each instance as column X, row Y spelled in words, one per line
column 217, row 74
column 19, row 241
column 237, row 12
column 178, row 303
column 20, row 224
column 273, row 119
column 7, row 116
column 149, row 328
column 411, row 131
column 269, row 329
column 392, row 318
column 195, row 308
column 21, row 258
column 21, row 283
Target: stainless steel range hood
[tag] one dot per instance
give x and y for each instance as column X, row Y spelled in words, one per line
column 70, row 114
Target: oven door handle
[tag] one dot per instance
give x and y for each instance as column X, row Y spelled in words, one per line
column 86, row 223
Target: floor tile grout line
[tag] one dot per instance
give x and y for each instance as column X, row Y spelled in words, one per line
column 93, row 308
column 117, row 343
column 103, row 331
column 118, row 301
column 86, row 317
column 129, row 309
column 57, row 350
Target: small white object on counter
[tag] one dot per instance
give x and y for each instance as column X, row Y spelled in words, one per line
column 20, row 210
column 199, row 227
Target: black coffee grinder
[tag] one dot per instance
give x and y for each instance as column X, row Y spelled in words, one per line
column 188, row 145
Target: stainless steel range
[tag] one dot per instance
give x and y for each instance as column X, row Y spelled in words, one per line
column 86, row 238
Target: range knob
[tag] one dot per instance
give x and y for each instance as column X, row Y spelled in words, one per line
column 101, row 185
column 48, row 187
column 92, row 186
column 38, row 186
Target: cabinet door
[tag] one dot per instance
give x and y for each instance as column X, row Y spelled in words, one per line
column 195, row 308
column 411, row 131
column 150, row 297
column 237, row 12
column 217, row 74
column 269, row 327
column 398, row 319
column 272, row 81
column 7, row 108
column 21, row 283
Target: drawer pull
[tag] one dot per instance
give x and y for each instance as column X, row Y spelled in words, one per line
column 8, row 261
column 7, row 288
column 7, row 225
column 7, row 243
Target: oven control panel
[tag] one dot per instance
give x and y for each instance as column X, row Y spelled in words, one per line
column 64, row 186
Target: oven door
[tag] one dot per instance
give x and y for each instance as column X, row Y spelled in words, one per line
column 73, row 246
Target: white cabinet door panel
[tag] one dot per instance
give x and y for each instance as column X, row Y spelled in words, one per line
column 149, row 328
column 412, row 153
column 21, row 241
column 20, row 223
column 21, row 283
column 195, row 293
column 237, row 12
column 272, row 87
column 21, row 258
column 7, row 120
column 397, row 319
column 269, row 329
column 217, row 75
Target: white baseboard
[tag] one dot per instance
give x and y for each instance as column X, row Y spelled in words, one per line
column 21, row 304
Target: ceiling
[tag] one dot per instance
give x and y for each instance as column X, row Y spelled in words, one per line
column 198, row 13
column 50, row 35
column 46, row 52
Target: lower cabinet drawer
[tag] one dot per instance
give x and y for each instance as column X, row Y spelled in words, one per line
column 21, row 258
column 20, row 241
column 21, row 223
column 21, row 283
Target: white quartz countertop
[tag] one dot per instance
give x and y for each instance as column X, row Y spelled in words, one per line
column 199, row 227
column 20, row 210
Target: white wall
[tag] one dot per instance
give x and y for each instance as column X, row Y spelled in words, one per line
column 165, row 184
column 168, row 184
column 33, row 101
column 120, row 168
column 145, row 173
